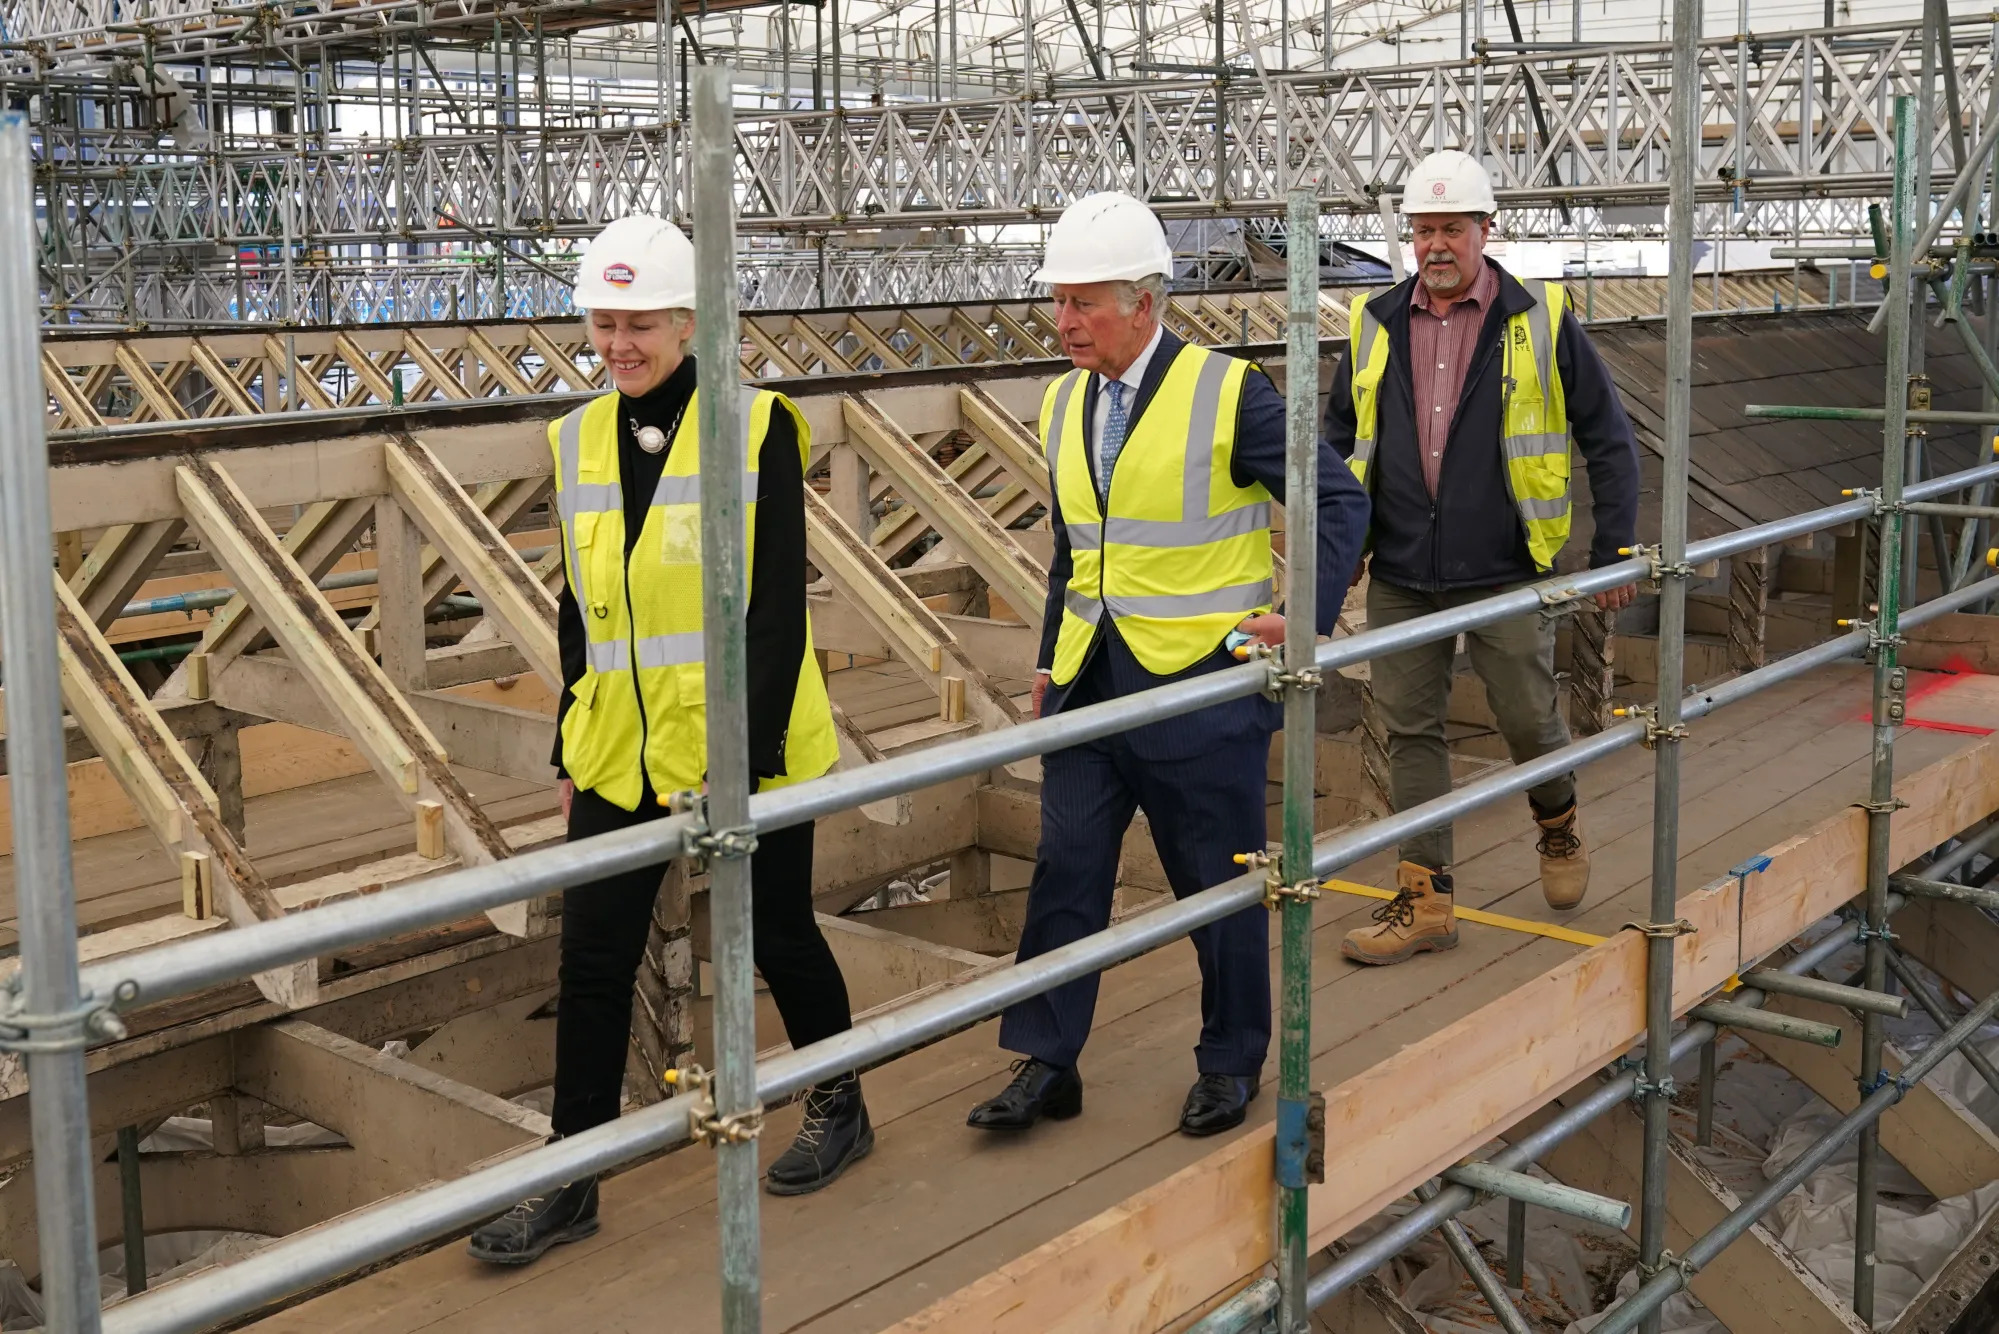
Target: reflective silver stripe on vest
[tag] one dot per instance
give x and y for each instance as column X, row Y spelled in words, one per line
column 611, row 655
column 1532, row 507
column 577, row 498
column 1196, row 476
column 1535, row 444
column 1085, row 536
column 1083, row 605
column 1236, row 598
column 673, row 650
column 1191, row 532
column 685, row 489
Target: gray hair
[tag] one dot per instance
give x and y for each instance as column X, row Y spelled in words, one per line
column 1127, row 292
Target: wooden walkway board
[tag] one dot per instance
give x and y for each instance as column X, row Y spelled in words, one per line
column 937, row 1207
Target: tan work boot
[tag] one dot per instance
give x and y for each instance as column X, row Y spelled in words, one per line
column 1564, row 858
column 1418, row 918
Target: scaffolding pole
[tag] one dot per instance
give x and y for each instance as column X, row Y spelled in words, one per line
column 728, row 838
column 1889, row 679
column 1662, row 930
column 1298, row 1164
column 44, row 1014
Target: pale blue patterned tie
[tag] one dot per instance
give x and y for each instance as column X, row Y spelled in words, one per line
column 1113, row 441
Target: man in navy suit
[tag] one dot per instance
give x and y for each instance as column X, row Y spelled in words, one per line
column 1164, row 459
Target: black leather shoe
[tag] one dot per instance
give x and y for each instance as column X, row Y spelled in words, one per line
column 1217, row 1103
column 522, row 1234
column 834, row 1136
column 1038, row 1089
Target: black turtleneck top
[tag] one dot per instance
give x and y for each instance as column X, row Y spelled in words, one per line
column 776, row 616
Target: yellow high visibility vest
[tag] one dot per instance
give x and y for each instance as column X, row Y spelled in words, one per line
column 648, row 611
column 1534, row 431
column 1184, row 553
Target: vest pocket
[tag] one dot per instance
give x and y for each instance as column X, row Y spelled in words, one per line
column 679, row 534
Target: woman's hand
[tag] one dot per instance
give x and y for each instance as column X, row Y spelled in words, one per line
column 566, row 791
column 1267, row 630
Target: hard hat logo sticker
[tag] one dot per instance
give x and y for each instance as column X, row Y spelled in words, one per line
column 1437, row 189
column 620, row 275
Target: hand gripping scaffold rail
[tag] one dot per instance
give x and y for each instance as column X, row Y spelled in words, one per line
column 59, row 1009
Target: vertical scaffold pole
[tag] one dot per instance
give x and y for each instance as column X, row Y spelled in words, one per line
column 724, row 601
column 45, row 1002
column 1889, row 678
column 1297, row 1164
column 1657, row 1084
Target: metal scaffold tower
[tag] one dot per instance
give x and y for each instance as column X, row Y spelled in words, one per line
column 442, row 162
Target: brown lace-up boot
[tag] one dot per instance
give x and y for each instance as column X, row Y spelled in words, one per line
column 1564, row 858
column 1418, row 918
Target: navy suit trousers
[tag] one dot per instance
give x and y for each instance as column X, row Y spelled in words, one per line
column 1203, row 810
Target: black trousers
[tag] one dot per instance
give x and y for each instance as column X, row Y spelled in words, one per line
column 604, row 928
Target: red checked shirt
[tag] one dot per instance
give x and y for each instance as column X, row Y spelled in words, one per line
column 1440, row 350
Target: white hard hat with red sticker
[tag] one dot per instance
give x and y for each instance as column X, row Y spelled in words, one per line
column 637, row 263
column 1448, row 182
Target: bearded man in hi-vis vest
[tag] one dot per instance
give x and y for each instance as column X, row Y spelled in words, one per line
column 1163, row 461
column 1456, row 405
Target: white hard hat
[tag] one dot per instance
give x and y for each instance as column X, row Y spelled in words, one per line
column 1448, row 182
column 637, row 263
column 1104, row 238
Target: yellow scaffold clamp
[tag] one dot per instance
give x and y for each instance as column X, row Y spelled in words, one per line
column 703, row 1126
column 1276, row 890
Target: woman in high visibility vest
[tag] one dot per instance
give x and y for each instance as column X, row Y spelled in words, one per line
column 632, row 722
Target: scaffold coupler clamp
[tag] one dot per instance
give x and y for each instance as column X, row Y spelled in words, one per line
column 703, row 1126
column 1559, row 600
column 1301, row 1141
column 91, row 1019
column 1276, row 889
column 1882, row 1079
column 1655, row 556
column 1668, row 1260
column 1649, row 715
column 1643, row 1088
column 702, row 843
column 1282, row 681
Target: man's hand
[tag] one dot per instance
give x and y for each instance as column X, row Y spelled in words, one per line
column 565, row 791
column 1615, row 599
column 1267, row 629
column 1041, row 680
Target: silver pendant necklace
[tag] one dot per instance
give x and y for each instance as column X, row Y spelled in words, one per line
column 650, row 438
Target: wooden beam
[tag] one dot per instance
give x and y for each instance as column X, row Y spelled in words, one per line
column 1748, row 609
column 773, row 351
column 367, row 373
column 1175, row 1248
column 152, row 391
column 394, row 740
column 227, row 388
column 1958, row 642
column 163, row 783
column 316, row 541
column 498, row 364
column 1011, row 442
column 819, row 346
column 1946, row 1299
column 504, row 504
column 1958, row 942
column 1929, row 1132
column 119, row 563
column 1011, row 572
column 563, row 364
column 434, row 369
column 457, row 527
column 412, row 1118
column 307, row 385
column 1756, row 1284
column 872, row 340
column 74, row 407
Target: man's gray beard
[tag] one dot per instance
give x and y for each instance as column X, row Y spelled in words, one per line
column 1434, row 285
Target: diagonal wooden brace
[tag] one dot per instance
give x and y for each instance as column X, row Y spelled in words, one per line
column 350, row 685
column 474, row 547
column 165, row 785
